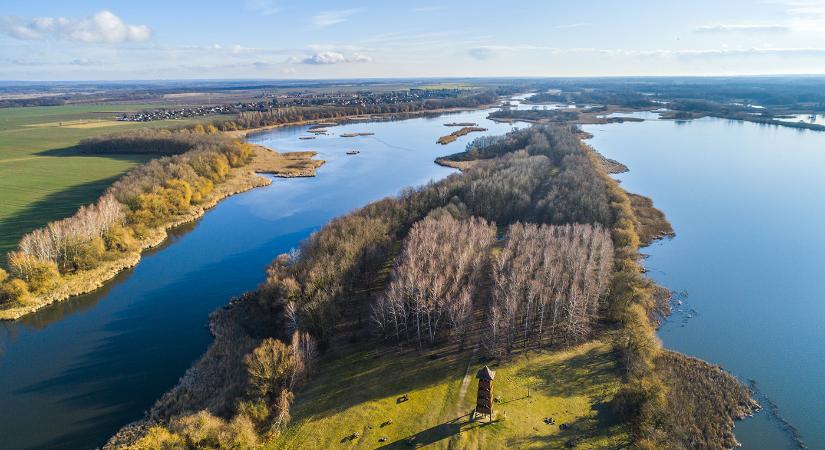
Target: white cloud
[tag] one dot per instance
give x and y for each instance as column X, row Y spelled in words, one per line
column 742, row 28
column 102, row 28
column 360, row 57
column 333, row 57
column 329, row 18
column 265, row 7
column 481, row 53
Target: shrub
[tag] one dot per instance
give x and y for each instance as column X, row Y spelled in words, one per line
column 38, row 274
column 83, row 255
column 121, row 239
column 237, row 153
column 201, row 187
column 3, row 275
column 268, row 367
column 179, row 194
column 256, row 410
column 14, row 291
column 203, row 430
column 211, row 165
column 159, row 438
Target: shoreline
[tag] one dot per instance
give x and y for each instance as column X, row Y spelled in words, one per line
column 344, row 120
column 266, row 162
column 692, row 385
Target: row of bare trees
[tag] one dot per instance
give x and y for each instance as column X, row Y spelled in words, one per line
column 62, row 241
column 149, row 196
column 435, row 279
column 549, row 281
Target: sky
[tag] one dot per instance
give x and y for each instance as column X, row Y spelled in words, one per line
column 272, row 39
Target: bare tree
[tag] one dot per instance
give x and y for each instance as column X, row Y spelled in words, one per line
column 548, row 284
column 434, row 280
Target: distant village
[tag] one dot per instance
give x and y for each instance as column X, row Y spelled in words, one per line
column 362, row 98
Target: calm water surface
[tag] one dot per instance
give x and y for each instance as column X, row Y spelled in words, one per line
column 72, row 374
column 746, row 202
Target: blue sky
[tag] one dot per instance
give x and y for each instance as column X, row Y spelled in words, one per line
column 148, row 39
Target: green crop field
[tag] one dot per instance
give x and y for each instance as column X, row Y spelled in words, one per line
column 41, row 178
column 359, row 393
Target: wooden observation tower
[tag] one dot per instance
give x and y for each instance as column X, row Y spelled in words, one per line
column 484, row 402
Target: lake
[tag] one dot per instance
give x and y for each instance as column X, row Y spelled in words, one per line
column 748, row 259
column 746, row 262
column 75, row 372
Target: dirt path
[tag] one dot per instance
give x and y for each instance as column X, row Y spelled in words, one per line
column 465, row 383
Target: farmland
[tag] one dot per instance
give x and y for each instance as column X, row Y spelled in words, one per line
column 41, row 177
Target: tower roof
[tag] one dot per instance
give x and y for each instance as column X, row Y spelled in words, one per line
column 485, row 374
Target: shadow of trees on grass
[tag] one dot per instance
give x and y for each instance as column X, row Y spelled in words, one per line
column 586, row 374
column 438, row 433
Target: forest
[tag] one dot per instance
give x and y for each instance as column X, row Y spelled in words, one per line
column 532, row 246
column 545, row 115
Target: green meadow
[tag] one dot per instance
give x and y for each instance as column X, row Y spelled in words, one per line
column 41, row 177
column 355, row 402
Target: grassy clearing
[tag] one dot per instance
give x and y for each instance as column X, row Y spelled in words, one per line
column 41, row 178
column 358, row 392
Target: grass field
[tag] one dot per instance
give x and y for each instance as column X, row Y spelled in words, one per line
column 359, row 393
column 41, row 178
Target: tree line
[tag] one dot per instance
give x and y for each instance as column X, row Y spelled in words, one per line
column 284, row 115
column 551, row 115
column 549, row 284
column 148, row 197
column 434, row 279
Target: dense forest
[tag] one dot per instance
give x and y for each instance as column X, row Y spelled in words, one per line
column 545, row 115
column 620, row 97
column 549, row 284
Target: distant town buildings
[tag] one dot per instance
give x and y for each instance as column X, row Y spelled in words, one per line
column 360, row 98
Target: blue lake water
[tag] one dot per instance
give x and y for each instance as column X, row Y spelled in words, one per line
column 746, row 202
column 73, row 373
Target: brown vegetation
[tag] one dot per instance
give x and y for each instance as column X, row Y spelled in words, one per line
column 434, row 280
column 703, row 401
column 77, row 254
column 653, row 224
column 444, row 140
column 549, row 283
